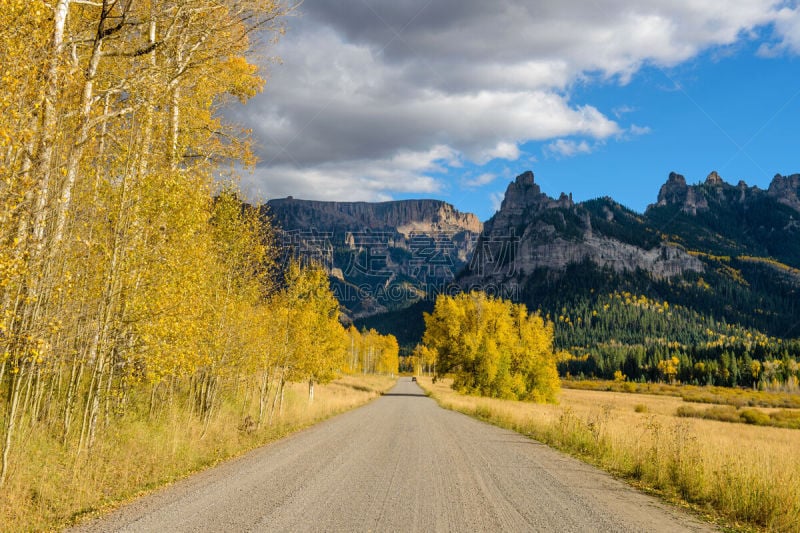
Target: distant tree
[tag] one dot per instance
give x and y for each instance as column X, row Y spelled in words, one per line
column 316, row 349
column 492, row 347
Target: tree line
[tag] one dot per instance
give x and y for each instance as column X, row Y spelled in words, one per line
column 623, row 334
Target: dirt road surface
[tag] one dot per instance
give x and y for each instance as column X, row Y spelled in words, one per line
column 401, row 463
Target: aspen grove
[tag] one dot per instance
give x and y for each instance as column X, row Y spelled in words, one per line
column 129, row 278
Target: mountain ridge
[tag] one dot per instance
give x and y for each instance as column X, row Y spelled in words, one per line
column 716, row 263
column 405, row 214
column 380, row 256
column 728, row 253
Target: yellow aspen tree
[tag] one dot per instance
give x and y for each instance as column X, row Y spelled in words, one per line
column 113, row 274
column 390, row 357
column 492, row 347
column 321, row 350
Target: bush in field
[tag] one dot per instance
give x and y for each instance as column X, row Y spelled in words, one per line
column 492, row 347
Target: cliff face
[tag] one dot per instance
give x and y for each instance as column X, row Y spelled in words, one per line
column 698, row 244
column 405, row 216
column 786, row 190
column 694, row 199
column 532, row 231
column 726, row 251
column 380, row 256
column 732, row 220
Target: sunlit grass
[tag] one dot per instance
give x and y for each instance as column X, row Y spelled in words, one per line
column 50, row 488
column 782, row 418
column 691, row 393
column 744, row 475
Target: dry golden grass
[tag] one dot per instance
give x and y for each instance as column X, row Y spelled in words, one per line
column 692, row 393
column 782, row 418
column 49, row 489
column 745, row 476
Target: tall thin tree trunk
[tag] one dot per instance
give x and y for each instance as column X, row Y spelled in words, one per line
column 11, row 421
column 280, row 406
column 81, row 139
column 75, row 377
column 44, row 154
column 264, row 390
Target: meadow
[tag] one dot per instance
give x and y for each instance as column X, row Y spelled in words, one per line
column 50, row 489
column 736, row 396
column 743, row 477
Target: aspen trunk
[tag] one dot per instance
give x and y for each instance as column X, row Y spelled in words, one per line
column 11, row 420
column 76, row 154
column 278, row 393
column 174, row 127
column 280, row 407
column 76, row 375
column 44, row 156
column 264, row 390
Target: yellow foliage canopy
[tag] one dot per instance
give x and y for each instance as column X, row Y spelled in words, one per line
column 492, row 347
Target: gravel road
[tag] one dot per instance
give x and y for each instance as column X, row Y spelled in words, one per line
column 401, row 463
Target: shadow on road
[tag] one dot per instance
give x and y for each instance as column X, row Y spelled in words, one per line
column 410, row 394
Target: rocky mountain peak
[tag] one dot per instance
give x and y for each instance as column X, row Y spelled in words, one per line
column 786, row 190
column 525, row 179
column 676, row 192
column 714, row 179
column 523, row 194
column 380, row 256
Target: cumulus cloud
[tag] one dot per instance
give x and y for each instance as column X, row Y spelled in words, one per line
column 381, row 97
column 364, row 180
column 787, row 32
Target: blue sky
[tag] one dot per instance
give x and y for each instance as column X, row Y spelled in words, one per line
column 738, row 115
column 380, row 99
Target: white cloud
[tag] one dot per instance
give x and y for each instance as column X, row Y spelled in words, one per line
column 787, row 30
column 622, row 110
column 504, row 150
column 365, row 180
column 568, row 148
column 633, row 129
column 366, row 89
column 479, row 181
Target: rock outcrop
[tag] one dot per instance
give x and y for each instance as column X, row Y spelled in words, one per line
column 532, row 231
column 524, row 197
column 676, row 192
column 384, row 256
column 786, row 190
column 665, row 260
column 405, row 215
column 694, row 199
column 380, row 256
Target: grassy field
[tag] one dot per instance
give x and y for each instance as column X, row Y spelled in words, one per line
column 744, row 476
column 51, row 490
column 736, row 397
